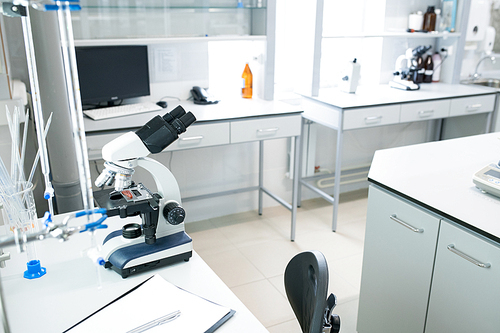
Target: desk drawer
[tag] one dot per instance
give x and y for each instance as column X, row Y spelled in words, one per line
column 471, row 105
column 264, row 129
column 198, row 136
column 371, row 116
column 424, row 110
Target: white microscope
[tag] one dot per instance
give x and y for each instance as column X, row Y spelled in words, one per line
column 161, row 239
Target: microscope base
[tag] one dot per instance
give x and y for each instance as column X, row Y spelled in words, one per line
column 141, row 257
column 126, row 272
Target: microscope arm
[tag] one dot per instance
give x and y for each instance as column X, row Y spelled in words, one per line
column 164, row 179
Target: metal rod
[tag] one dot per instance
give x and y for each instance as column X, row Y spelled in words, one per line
column 338, row 169
column 278, row 199
column 324, row 195
column 75, row 104
column 221, row 193
column 37, row 105
column 261, row 174
column 295, row 185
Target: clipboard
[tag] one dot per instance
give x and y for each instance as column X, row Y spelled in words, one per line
column 152, row 299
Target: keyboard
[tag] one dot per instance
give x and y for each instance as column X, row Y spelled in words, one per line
column 121, row 110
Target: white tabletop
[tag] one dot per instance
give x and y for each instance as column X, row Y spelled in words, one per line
column 371, row 95
column 69, row 291
column 226, row 109
column 438, row 176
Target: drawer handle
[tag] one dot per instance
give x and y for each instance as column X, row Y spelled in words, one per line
column 373, row 119
column 403, row 223
column 452, row 248
column 267, row 130
column 473, row 107
column 425, row 114
column 192, row 138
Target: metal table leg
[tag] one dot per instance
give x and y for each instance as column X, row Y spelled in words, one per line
column 261, row 174
column 296, row 184
column 336, row 187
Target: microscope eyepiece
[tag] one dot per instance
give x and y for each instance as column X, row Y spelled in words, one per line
column 174, row 114
column 160, row 132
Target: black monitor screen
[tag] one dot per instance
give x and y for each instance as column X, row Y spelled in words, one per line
column 109, row 73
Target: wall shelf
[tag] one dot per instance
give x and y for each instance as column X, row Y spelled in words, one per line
column 443, row 35
column 150, row 41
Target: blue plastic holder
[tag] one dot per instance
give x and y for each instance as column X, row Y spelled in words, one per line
column 35, row 270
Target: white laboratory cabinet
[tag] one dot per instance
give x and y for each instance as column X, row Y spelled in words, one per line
column 397, row 265
column 422, row 273
column 465, row 290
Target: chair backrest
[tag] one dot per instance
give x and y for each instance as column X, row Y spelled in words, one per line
column 306, row 285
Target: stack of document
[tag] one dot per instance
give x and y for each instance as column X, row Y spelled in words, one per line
column 156, row 306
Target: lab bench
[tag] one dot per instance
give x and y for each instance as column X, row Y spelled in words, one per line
column 381, row 105
column 228, row 122
column 432, row 245
column 74, row 287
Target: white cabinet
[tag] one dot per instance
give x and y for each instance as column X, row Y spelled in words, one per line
column 424, row 274
column 398, row 259
column 465, row 286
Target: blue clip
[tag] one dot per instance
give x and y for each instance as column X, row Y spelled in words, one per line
column 47, row 218
column 97, row 224
column 72, row 7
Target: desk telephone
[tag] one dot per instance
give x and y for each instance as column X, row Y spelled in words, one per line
column 201, row 96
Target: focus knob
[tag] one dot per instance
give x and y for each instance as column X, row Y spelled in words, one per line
column 174, row 213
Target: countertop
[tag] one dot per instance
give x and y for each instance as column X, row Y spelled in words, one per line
column 373, row 95
column 70, row 290
column 438, row 176
column 227, row 109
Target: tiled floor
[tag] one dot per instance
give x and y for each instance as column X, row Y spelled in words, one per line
column 250, row 252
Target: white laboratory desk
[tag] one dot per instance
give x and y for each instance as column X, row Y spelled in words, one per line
column 382, row 105
column 432, row 244
column 231, row 121
column 69, row 291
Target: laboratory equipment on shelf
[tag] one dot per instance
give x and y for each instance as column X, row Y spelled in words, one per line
column 161, row 238
column 488, row 179
column 410, row 69
column 403, row 73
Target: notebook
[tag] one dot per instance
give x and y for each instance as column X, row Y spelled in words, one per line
column 151, row 300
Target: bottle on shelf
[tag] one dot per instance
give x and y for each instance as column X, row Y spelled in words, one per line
column 419, row 66
column 430, row 19
column 429, row 69
column 438, row 20
column 436, row 59
column 246, row 90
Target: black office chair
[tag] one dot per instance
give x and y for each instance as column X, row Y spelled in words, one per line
column 306, row 285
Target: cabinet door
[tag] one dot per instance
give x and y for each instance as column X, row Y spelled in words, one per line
column 400, row 244
column 465, row 289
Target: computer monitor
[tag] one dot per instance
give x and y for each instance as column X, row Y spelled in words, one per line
column 112, row 73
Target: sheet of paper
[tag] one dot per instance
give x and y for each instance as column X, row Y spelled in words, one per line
column 154, row 299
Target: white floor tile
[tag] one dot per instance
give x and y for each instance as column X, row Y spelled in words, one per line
column 271, row 257
column 291, row 326
column 250, row 252
column 233, row 268
column 265, row 302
